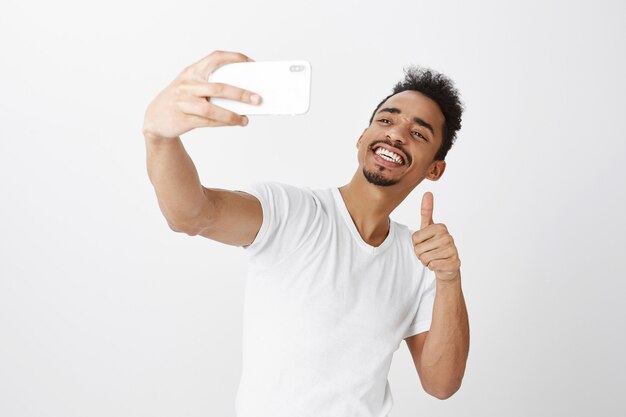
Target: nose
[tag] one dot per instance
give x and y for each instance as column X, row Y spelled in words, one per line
column 394, row 133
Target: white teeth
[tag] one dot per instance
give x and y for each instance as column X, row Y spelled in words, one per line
column 390, row 156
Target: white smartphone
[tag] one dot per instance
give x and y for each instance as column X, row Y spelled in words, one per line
column 284, row 86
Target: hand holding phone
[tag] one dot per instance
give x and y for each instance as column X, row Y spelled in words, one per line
column 185, row 103
column 284, row 86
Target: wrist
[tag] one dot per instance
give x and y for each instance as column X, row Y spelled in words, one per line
column 155, row 139
column 449, row 278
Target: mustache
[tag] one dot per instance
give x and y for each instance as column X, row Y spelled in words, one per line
column 397, row 146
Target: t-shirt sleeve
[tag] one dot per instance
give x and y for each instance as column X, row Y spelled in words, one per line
column 288, row 213
column 423, row 316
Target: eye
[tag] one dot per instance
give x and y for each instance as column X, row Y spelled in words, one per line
column 415, row 132
column 384, row 120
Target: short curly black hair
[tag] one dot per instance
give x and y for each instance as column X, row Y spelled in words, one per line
column 439, row 88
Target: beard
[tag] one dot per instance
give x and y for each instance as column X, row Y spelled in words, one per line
column 378, row 179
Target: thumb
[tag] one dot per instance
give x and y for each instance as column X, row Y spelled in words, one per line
column 427, row 210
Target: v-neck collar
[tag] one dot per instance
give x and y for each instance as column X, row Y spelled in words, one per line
column 343, row 209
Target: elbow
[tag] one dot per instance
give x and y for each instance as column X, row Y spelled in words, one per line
column 443, row 393
column 180, row 229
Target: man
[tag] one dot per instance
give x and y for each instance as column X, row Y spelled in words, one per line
column 334, row 285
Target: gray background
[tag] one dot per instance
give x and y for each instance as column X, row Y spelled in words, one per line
column 106, row 311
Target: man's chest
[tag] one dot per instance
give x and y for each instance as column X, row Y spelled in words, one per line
column 337, row 288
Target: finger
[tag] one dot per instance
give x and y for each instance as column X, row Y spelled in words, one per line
column 206, row 89
column 423, row 235
column 210, row 111
column 450, row 266
column 427, row 209
column 216, row 59
column 437, row 254
column 199, row 121
column 432, row 244
column 438, row 230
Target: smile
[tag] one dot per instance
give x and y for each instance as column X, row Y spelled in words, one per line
column 387, row 157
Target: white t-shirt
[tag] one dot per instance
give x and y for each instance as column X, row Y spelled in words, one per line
column 323, row 310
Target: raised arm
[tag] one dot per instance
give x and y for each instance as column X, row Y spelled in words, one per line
column 440, row 354
column 226, row 216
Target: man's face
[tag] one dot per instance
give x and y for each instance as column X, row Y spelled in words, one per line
column 400, row 144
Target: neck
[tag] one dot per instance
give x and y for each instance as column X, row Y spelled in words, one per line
column 370, row 205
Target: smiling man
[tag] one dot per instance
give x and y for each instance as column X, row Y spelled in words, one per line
column 334, row 285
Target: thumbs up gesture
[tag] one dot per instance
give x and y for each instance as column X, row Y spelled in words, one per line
column 434, row 246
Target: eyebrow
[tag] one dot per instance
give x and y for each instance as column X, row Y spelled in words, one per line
column 416, row 119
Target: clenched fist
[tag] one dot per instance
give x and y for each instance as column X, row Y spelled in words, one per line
column 186, row 103
column 434, row 246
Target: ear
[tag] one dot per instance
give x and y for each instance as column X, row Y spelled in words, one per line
column 358, row 142
column 436, row 170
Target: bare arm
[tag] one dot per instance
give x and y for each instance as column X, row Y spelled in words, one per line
column 175, row 180
column 440, row 354
column 226, row 216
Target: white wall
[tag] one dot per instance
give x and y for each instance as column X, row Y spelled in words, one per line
column 105, row 311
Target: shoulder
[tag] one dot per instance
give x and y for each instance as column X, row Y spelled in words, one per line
column 290, row 215
column 274, row 192
column 404, row 237
column 402, row 230
column 271, row 186
column 287, row 199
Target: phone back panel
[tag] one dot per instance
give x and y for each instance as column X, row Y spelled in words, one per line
column 284, row 86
